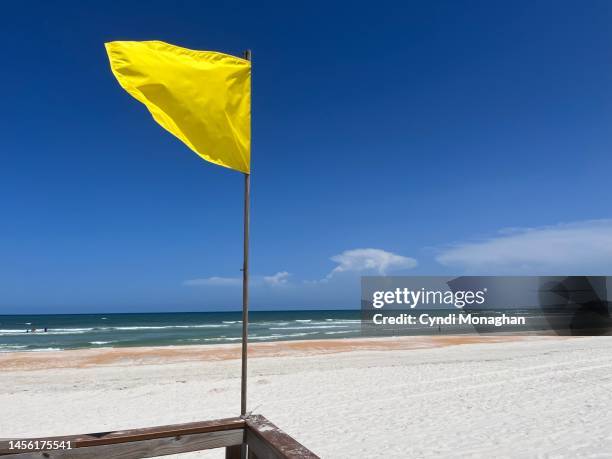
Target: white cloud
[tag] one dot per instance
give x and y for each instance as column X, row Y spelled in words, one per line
column 376, row 260
column 570, row 248
column 217, row 281
column 280, row 278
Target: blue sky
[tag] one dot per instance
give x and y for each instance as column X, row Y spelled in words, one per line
column 402, row 137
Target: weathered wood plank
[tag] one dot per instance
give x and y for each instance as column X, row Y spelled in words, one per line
column 267, row 441
column 145, row 448
column 264, row 439
column 258, row 449
column 149, row 433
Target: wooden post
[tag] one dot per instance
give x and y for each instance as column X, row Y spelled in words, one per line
column 233, row 452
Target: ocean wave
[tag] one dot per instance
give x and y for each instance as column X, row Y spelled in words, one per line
column 264, row 324
column 68, row 331
column 40, row 331
column 330, row 323
column 99, row 343
column 162, row 327
column 309, row 327
column 218, row 339
column 273, row 337
column 23, row 348
column 337, row 321
column 71, row 330
column 11, row 347
column 303, row 320
column 346, row 321
column 340, row 332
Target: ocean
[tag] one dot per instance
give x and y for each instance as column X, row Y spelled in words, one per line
column 78, row 331
column 81, row 331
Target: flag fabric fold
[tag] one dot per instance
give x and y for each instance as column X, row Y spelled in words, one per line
column 201, row 97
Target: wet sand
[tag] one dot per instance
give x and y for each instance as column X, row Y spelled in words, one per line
column 84, row 358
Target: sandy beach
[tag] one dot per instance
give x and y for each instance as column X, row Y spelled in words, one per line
column 353, row 398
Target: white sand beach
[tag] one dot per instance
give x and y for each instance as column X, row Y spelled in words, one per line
column 404, row 397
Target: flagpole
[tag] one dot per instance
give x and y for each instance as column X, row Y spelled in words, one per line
column 245, row 284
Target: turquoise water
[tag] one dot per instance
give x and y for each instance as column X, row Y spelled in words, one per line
column 74, row 331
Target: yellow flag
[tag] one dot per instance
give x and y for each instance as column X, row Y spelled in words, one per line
column 201, row 97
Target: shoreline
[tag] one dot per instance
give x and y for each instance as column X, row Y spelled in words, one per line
column 155, row 355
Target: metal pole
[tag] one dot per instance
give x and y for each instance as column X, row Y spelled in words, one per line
column 245, row 285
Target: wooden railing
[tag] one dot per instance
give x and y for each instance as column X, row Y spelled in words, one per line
column 254, row 437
